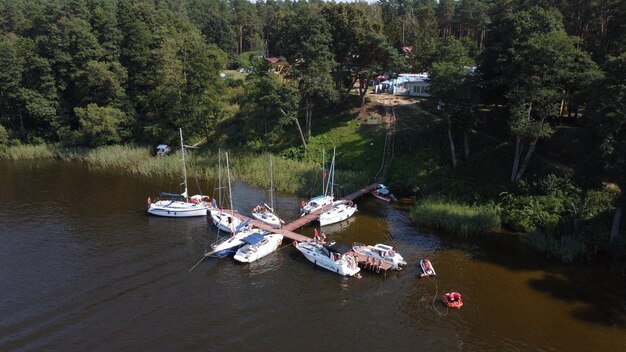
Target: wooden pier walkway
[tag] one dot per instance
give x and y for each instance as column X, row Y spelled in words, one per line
column 288, row 229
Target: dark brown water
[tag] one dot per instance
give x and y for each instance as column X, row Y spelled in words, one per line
column 84, row 269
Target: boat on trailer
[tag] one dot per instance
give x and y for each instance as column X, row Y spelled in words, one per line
column 331, row 256
column 380, row 252
column 382, row 193
column 257, row 246
column 427, row 268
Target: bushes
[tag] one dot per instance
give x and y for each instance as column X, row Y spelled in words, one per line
column 531, row 213
column 454, row 217
column 565, row 248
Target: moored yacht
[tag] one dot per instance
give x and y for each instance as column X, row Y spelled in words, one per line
column 228, row 246
column 331, row 256
column 340, row 211
column 315, row 203
column 380, row 252
column 257, row 246
column 225, row 220
column 266, row 213
column 180, row 205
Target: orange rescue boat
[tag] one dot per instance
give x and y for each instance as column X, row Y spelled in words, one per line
column 453, row 300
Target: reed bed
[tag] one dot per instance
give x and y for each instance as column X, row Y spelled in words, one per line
column 301, row 177
column 27, row 152
column 455, row 217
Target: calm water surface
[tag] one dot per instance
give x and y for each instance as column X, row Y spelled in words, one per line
column 83, row 268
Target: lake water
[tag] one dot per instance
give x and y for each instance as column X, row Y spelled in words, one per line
column 83, row 268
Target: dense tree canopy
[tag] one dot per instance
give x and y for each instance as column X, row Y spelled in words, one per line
column 150, row 66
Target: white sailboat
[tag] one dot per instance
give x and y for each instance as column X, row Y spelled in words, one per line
column 257, row 246
column 331, row 256
column 197, row 205
column 341, row 210
column 225, row 219
column 320, row 201
column 267, row 213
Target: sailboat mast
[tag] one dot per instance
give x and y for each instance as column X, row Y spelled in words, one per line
column 323, row 172
column 182, row 151
column 271, row 184
column 219, row 175
column 332, row 182
column 230, row 192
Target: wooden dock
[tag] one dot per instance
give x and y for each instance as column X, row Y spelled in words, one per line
column 288, row 229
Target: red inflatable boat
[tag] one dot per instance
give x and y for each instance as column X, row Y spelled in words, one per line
column 453, row 300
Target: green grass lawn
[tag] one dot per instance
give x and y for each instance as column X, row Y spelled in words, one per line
column 234, row 74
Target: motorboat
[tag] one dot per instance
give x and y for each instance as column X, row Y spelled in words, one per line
column 228, row 246
column 331, row 256
column 427, row 268
column 180, row 205
column 380, row 252
column 453, row 300
column 340, row 211
column 257, row 246
column 383, row 193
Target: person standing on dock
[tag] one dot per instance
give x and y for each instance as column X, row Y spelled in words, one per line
column 316, row 237
column 322, row 237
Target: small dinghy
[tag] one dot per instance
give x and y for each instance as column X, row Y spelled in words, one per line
column 383, row 193
column 453, row 300
column 427, row 268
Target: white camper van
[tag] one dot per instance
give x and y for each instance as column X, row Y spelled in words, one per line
column 163, row 149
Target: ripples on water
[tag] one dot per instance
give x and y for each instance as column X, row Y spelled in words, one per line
column 83, row 268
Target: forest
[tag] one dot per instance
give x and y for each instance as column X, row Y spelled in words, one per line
column 549, row 76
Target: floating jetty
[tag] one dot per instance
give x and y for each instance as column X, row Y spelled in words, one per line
column 287, row 230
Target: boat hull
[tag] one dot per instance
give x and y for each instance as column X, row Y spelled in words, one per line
column 227, row 247
column 225, row 253
column 177, row 209
column 381, row 197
